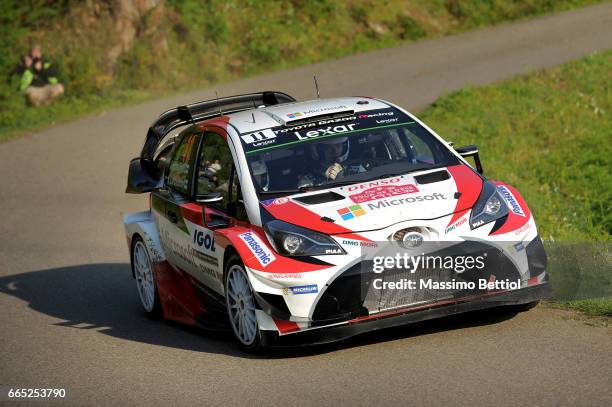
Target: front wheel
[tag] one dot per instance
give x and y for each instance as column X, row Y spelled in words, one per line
column 240, row 303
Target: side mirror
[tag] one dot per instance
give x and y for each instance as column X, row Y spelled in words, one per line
column 142, row 177
column 471, row 151
column 211, row 197
column 215, row 219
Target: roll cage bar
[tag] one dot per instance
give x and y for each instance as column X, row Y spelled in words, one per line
column 200, row 111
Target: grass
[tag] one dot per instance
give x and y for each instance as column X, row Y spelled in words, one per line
column 213, row 41
column 548, row 134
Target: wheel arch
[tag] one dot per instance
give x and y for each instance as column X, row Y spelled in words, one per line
column 230, row 250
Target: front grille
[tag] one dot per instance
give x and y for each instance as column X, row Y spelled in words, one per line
column 353, row 293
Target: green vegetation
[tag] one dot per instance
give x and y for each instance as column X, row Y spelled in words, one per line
column 181, row 45
column 548, row 134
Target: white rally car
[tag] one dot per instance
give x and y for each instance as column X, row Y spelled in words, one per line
column 263, row 211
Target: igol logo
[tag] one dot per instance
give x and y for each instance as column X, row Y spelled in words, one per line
column 204, row 240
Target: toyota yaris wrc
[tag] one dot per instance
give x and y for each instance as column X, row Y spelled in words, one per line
column 266, row 215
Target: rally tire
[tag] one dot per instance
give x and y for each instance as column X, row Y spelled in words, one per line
column 144, row 276
column 241, row 305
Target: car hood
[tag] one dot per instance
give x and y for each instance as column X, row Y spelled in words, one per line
column 374, row 205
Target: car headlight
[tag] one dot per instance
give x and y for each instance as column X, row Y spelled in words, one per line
column 291, row 240
column 489, row 207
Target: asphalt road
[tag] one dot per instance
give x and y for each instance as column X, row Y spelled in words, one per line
column 70, row 315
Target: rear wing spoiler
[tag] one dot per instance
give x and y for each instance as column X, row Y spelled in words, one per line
column 144, row 174
column 199, row 111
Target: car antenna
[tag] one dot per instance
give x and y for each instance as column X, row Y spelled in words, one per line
column 219, row 104
column 316, row 86
column 254, row 107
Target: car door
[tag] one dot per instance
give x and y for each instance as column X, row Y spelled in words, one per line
column 166, row 202
column 213, row 208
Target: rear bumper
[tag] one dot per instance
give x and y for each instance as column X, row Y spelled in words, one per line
column 406, row 316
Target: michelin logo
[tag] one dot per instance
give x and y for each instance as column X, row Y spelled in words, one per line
column 301, row 289
column 258, row 248
column 511, row 200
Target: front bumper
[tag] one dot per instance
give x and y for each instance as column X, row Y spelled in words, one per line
column 406, row 316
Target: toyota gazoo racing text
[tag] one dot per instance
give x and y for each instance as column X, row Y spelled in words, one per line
column 307, row 222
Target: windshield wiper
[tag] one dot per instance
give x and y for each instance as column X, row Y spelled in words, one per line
column 286, row 191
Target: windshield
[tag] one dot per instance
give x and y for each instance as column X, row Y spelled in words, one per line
column 356, row 148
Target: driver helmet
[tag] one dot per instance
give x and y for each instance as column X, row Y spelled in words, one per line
column 337, row 142
column 260, row 172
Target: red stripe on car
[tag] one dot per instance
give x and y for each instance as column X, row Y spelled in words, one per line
column 469, row 185
column 285, row 327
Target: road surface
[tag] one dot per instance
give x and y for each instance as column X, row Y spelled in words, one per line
column 70, row 313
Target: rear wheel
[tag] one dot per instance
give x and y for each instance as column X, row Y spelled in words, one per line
column 241, row 305
column 145, row 278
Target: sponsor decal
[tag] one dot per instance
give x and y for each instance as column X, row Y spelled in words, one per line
column 281, row 276
column 477, row 224
column 511, row 200
column 209, row 272
column 379, row 114
column 202, row 239
column 280, row 201
column 387, row 203
column 277, row 201
column 387, row 121
column 301, row 289
column 519, row 246
column 314, row 124
column 372, row 184
column 258, row 248
column 259, row 138
column 326, row 131
column 381, row 192
column 324, row 109
column 359, row 243
column 294, row 115
column 351, row 212
column 455, row 225
column 523, row 229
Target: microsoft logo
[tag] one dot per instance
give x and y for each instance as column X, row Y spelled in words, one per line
column 351, row 212
column 294, row 115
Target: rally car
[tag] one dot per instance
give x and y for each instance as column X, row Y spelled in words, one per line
column 264, row 214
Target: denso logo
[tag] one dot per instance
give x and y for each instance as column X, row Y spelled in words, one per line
column 373, row 184
column 511, row 200
column 258, row 248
